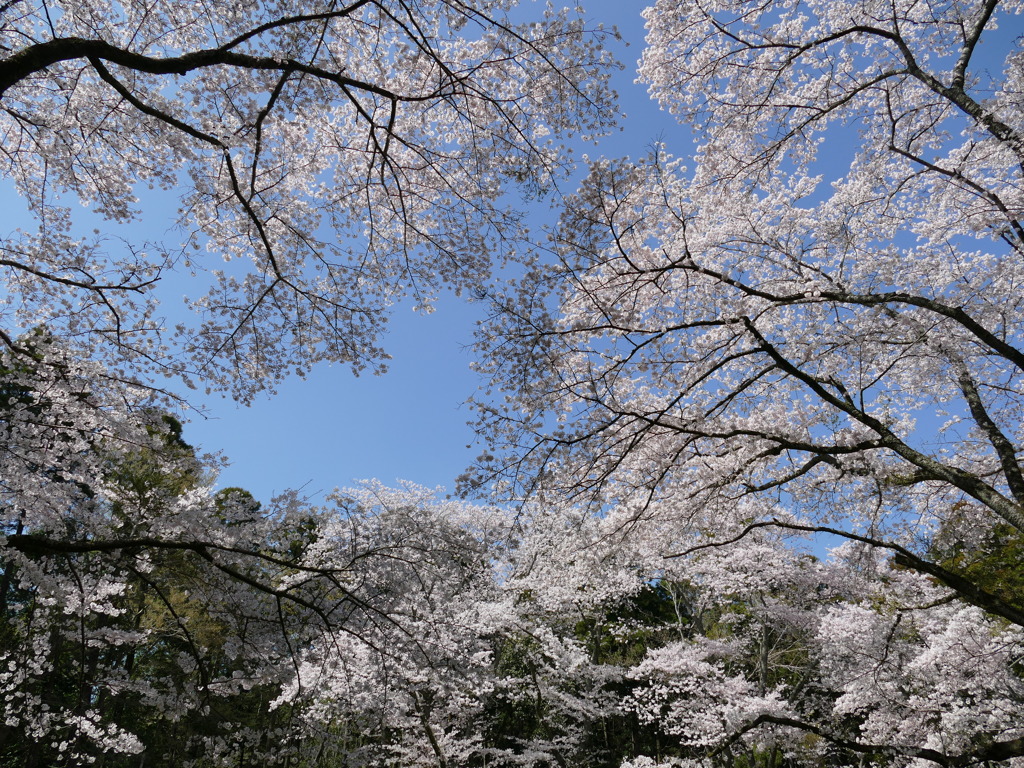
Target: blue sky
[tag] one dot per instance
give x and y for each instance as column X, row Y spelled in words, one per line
column 334, row 429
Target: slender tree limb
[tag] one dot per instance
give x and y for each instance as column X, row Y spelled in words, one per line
column 965, row 588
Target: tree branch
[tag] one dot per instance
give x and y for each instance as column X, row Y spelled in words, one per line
column 966, row 589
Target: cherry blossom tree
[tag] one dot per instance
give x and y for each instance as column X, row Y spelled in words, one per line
column 813, row 327
column 408, row 684
column 790, row 660
column 109, row 613
column 483, row 654
column 337, row 157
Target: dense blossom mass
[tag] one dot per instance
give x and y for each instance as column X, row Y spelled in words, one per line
column 754, row 418
column 812, row 326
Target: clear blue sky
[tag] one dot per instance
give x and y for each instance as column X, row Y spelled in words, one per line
column 333, row 429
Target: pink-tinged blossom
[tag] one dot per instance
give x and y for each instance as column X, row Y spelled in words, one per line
column 810, row 327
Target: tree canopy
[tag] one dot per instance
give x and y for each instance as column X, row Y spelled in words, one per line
column 808, row 334
column 813, row 325
column 335, row 156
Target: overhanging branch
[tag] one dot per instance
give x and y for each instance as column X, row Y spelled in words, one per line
column 964, row 588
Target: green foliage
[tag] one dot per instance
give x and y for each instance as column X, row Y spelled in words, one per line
column 517, row 712
column 996, row 565
column 624, row 633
